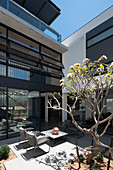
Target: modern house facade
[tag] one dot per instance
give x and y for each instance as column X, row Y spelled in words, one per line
column 91, row 41
column 30, row 64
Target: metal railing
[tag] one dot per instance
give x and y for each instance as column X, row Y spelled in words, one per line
column 30, row 18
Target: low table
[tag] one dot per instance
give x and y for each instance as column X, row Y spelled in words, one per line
column 48, row 133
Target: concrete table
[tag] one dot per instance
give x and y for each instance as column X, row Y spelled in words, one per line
column 54, row 137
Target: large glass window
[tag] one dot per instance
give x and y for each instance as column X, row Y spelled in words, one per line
column 100, row 37
column 23, row 111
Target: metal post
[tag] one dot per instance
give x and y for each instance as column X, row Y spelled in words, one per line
column 8, row 5
column 39, row 111
column 59, row 38
column 40, row 25
column 61, row 91
column 7, row 56
column 7, row 113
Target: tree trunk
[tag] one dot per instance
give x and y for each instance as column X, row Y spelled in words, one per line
column 92, row 154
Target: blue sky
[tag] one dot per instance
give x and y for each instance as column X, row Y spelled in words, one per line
column 76, row 13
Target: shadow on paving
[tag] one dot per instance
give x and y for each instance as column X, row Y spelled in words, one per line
column 23, row 145
column 56, row 161
column 33, row 153
column 56, row 142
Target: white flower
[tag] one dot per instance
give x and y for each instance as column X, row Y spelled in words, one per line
column 97, row 79
column 86, row 60
column 98, row 69
column 103, row 57
column 77, row 64
column 70, row 75
column 71, row 67
column 111, row 64
column 62, row 80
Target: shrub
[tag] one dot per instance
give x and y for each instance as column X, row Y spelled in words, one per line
column 81, row 158
column 4, row 152
column 94, row 167
column 99, row 157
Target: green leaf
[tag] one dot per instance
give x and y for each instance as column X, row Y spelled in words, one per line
column 101, row 66
column 92, row 70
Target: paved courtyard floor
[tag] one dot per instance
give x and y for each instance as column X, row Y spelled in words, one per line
column 35, row 159
column 61, row 153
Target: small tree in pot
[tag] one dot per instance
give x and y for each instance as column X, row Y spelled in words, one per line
column 89, row 82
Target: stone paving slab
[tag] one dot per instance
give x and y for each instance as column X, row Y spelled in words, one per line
column 57, row 157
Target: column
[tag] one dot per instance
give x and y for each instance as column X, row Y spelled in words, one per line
column 88, row 113
column 64, row 102
column 46, row 107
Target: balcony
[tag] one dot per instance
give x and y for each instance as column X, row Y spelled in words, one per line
column 30, row 18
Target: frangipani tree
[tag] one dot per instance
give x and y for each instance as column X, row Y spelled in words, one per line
column 89, row 82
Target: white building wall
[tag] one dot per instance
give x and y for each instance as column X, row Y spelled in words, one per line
column 76, row 44
column 75, row 54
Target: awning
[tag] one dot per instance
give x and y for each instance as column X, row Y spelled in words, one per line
column 45, row 10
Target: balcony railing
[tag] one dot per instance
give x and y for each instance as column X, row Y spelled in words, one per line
column 30, row 18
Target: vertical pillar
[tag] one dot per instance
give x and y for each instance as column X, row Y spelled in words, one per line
column 46, row 107
column 8, row 5
column 88, row 113
column 64, row 102
column 7, row 56
column 39, row 111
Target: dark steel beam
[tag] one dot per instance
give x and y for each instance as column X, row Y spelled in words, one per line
column 27, row 85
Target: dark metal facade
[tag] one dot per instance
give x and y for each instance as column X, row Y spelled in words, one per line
column 40, row 66
column 37, row 62
column 102, row 46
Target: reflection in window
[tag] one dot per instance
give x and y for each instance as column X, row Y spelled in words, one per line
column 2, row 70
column 110, row 107
column 100, row 37
column 18, row 73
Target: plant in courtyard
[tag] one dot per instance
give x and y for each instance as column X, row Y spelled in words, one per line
column 81, row 158
column 94, row 167
column 99, row 157
column 89, row 82
column 4, row 152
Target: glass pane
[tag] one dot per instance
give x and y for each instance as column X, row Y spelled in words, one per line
column 18, row 108
column 23, row 40
column 110, row 107
column 24, row 110
column 100, row 37
column 3, row 113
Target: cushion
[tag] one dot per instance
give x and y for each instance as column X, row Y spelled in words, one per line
column 31, row 133
column 21, row 128
column 41, row 139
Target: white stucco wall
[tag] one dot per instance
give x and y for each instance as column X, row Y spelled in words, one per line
column 76, row 44
column 75, row 54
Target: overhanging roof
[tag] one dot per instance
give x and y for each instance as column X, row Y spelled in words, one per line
column 45, row 10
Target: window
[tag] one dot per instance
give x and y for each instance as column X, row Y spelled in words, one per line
column 100, row 37
column 110, row 107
